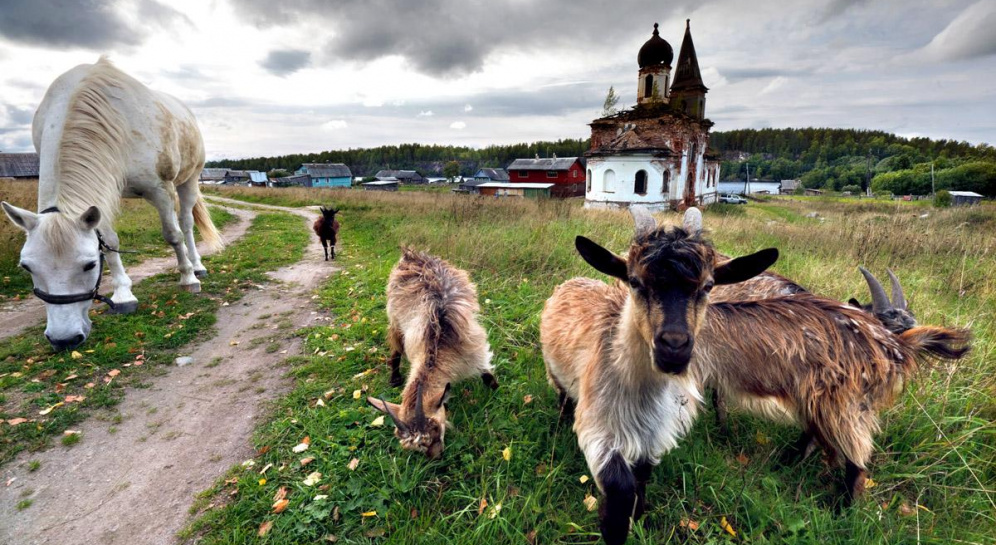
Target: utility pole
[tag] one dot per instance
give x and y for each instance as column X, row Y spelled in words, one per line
column 932, row 190
column 868, row 174
column 747, row 183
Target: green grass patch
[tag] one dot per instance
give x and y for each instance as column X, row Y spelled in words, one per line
column 934, row 467
column 125, row 351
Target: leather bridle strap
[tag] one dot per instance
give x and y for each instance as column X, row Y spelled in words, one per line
column 94, row 294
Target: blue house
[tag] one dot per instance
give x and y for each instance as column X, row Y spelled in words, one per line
column 492, row 175
column 327, row 174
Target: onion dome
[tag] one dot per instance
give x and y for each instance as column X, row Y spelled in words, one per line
column 655, row 51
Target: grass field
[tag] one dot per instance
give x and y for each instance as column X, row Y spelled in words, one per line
column 137, row 226
column 43, row 393
column 512, row 473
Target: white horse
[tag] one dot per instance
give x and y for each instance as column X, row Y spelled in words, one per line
column 101, row 135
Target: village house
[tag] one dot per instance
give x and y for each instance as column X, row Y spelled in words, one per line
column 402, row 176
column 566, row 174
column 327, row 174
column 20, row 166
column 301, row 180
column 381, row 185
column 965, row 198
column 492, row 175
column 516, row 189
column 258, row 179
column 657, row 153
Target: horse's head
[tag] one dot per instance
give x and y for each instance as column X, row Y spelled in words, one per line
column 62, row 255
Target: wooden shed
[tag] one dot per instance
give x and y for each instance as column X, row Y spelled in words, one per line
column 505, row 189
column 965, row 198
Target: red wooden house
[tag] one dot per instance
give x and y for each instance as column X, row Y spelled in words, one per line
column 566, row 174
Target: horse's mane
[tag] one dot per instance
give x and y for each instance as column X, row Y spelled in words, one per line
column 91, row 168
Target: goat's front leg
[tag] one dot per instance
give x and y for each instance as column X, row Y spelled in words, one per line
column 642, row 473
column 722, row 419
column 325, row 248
column 854, row 482
column 489, row 380
column 616, row 509
column 396, row 342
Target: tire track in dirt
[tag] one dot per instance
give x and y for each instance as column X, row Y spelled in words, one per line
column 16, row 316
column 133, row 482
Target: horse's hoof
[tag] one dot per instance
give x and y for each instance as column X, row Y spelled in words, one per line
column 201, row 273
column 192, row 288
column 126, row 307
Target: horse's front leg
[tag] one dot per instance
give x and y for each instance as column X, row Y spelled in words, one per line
column 124, row 300
column 163, row 201
column 188, row 198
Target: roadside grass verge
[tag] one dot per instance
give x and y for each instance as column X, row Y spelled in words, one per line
column 125, row 351
column 511, row 471
column 137, row 226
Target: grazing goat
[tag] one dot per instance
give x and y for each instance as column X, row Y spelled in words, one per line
column 895, row 315
column 432, row 320
column 622, row 354
column 327, row 228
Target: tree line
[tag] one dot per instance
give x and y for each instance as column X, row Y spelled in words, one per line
column 822, row 158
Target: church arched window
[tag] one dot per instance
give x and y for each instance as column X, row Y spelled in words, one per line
column 665, row 183
column 648, row 86
column 609, row 181
column 587, row 182
column 640, row 185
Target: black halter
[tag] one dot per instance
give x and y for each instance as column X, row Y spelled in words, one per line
column 91, row 295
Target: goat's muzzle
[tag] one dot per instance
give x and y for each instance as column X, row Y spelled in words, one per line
column 673, row 351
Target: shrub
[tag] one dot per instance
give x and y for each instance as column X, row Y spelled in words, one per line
column 942, row 199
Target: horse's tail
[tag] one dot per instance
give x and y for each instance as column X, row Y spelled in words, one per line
column 202, row 218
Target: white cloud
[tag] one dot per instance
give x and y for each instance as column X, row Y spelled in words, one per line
column 468, row 108
column 459, row 125
column 774, row 85
column 426, row 113
column 371, row 102
column 969, row 35
column 335, row 125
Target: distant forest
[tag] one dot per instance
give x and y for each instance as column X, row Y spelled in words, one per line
column 833, row 159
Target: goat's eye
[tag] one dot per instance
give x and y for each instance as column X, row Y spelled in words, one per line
column 25, row 267
column 708, row 286
column 89, row 266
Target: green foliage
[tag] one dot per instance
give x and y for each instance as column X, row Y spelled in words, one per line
column 932, row 467
column 942, row 199
column 611, row 100
column 451, row 170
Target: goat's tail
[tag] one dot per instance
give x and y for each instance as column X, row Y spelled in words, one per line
column 202, row 218
column 936, row 343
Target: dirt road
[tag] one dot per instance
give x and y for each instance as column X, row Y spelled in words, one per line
column 132, row 481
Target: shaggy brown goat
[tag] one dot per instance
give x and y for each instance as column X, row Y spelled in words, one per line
column 622, row 354
column 432, row 320
column 327, row 228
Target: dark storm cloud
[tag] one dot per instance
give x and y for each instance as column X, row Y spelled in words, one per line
column 88, row 24
column 286, row 61
column 454, row 37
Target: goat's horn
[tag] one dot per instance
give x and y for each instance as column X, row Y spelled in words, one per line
column 419, row 410
column 880, row 301
column 692, row 222
column 645, row 223
column 397, row 422
column 898, row 299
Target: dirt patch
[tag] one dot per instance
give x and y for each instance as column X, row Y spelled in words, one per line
column 16, row 316
column 133, row 476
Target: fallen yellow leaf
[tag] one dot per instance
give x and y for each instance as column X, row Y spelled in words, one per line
column 507, row 453
column 43, row 412
column 869, row 483
column 378, row 422
column 726, row 526
column 306, row 461
column 357, row 394
column 590, row 502
column 300, row 447
column 584, row 479
column 265, row 528
column 281, row 493
column 312, row 478
column 353, row 463
column 369, row 514
column 280, row 505
column 76, row 355
column 493, row 512
column 114, row 372
column 482, row 506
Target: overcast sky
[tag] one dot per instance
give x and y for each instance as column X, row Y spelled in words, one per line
column 270, row 77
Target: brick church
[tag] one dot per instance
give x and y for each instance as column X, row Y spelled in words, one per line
column 656, row 153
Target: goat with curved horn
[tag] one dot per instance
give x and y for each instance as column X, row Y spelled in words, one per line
column 898, row 299
column 397, row 422
column 419, row 408
column 880, row 301
column 645, row 222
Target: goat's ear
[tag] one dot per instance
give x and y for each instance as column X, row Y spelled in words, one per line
column 854, row 302
column 445, row 397
column 745, row 268
column 22, row 218
column 602, row 259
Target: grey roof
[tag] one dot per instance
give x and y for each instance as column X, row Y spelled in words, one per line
column 238, row 174
column 495, row 174
column 399, row 174
column 789, row 184
column 559, row 163
column 964, row 194
column 18, row 165
column 214, row 173
column 327, row 170
column 506, row 185
column 382, row 182
column 471, row 182
column 257, row 176
column 301, row 179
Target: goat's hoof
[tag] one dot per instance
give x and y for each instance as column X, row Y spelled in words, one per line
column 126, row 307
column 396, row 382
column 192, row 288
column 201, row 273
